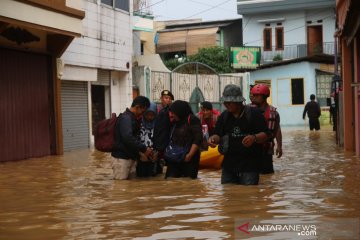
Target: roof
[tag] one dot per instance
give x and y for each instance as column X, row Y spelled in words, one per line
column 319, row 58
column 200, row 25
column 262, row 6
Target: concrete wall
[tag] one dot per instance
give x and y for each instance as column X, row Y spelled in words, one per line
column 281, row 88
column 294, row 25
column 106, row 44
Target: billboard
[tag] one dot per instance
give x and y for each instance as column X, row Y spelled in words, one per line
column 245, row 57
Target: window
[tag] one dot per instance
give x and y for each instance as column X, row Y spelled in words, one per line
column 119, row 4
column 297, row 91
column 122, row 4
column 267, row 39
column 279, row 38
column 142, row 48
column 323, row 87
column 107, row 2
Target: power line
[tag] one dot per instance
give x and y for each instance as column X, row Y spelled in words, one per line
column 205, row 4
column 222, row 3
column 149, row 6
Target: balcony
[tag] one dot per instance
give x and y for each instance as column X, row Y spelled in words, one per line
column 296, row 51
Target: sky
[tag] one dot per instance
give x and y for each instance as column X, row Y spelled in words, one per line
column 208, row 10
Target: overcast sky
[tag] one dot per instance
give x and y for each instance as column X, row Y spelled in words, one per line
column 188, row 9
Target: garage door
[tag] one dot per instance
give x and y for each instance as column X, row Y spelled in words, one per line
column 75, row 117
column 25, row 105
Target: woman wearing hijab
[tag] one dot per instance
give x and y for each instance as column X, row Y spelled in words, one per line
column 186, row 133
column 146, row 167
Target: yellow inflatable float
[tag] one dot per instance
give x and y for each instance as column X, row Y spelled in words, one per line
column 211, row 159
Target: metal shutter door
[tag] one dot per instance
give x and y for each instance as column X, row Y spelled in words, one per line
column 75, row 117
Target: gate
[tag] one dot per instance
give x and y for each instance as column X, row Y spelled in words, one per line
column 193, row 82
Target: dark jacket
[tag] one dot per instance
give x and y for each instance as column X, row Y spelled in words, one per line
column 162, row 130
column 240, row 158
column 312, row 109
column 127, row 142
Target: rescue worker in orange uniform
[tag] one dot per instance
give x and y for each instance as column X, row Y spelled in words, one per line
column 259, row 94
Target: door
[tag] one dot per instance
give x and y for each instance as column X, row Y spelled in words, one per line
column 75, row 117
column 315, row 41
column 26, row 100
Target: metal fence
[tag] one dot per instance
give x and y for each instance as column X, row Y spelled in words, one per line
column 201, row 84
column 296, row 51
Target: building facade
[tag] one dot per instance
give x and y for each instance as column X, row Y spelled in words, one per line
column 33, row 34
column 288, row 29
column 96, row 70
column 348, row 92
column 291, row 82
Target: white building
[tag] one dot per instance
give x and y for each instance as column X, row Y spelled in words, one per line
column 287, row 29
column 297, row 41
column 96, row 70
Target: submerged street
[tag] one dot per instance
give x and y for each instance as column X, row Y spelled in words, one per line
column 73, row 197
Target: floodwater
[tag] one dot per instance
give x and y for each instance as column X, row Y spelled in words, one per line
column 73, row 197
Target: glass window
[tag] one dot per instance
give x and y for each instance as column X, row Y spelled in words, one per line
column 297, row 91
column 122, row 4
column 107, row 2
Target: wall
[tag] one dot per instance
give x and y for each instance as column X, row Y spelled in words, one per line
column 280, row 80
column 294, row 21
column 121, row 91
column 106, row 42
column 294, row 26
column 39, row 16
column 233, row 34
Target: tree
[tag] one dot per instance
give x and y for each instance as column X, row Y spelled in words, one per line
column 215, row 57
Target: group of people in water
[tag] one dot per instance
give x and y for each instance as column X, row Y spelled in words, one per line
column 149, row 136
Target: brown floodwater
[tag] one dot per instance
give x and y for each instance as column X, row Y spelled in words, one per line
column 74, row 197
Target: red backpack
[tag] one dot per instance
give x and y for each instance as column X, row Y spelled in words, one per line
column 104, row 134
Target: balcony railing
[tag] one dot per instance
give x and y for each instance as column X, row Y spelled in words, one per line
column 296, row 51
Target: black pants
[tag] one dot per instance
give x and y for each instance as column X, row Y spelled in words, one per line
column 267, row 164
column 184, row 169
column 242, row 178
column 314, row 124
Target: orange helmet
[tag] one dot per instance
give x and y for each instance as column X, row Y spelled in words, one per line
column 261, row 89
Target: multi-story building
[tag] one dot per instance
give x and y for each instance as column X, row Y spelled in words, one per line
column 96, row 75
column 297, row 51
column 287, row 29
column 33, row 34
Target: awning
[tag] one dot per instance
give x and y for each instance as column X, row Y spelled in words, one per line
column 171, row 42
column 186, row 40
column 200, row 38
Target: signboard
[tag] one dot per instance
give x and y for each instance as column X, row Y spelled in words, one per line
column 245, row 57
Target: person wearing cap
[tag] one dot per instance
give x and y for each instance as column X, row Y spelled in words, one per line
column 208, row 116
column 240, row 132
column 162, row 127
column 260, row 93
column 166, row 99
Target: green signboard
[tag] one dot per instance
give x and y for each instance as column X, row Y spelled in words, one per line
column 245, row 57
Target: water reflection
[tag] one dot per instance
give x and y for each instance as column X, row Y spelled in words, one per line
column 74, row 197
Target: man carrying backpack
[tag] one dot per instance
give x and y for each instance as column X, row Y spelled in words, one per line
column 127, row 143
column 240, row 132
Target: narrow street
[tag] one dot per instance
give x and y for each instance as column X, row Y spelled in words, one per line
column 74, row 197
